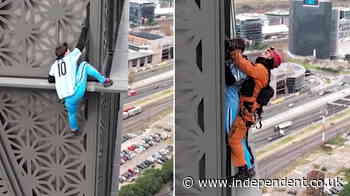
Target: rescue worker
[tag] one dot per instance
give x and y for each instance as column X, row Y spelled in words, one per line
column 258, row 78
column 233, row 80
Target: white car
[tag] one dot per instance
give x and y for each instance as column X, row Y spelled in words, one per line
column 132, row 155
column 163, row 152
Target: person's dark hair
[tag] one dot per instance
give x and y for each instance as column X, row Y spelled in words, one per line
column 61, row 50
column 232, row 44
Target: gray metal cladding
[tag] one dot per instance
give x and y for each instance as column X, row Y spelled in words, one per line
column 32, row 29
column 39, row 156
column 42, row 154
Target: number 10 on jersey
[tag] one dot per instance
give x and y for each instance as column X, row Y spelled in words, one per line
column 62, row 68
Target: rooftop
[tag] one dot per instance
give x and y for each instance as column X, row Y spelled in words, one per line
column 291, row 69
column 141, row 1
column 145, row 35
column 278, row 13
column 138, row 54
column 250, row 16
column 164, row 11
column 274, row 29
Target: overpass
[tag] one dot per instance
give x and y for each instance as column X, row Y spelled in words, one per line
column 38, row 155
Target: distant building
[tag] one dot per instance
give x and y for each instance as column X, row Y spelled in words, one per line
column 278, row 17
column 250, row 27
column 141, row 11
column 257, row 27
column 161, row 46
column 287, row 78
column 139, row 59
column 310, row 28
column 317, row 29
column 139, row 56
column 340, row 32
column 168, row 12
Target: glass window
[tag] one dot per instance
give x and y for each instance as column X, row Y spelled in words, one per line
column 134, row 63
column 142, row 61
column 165, row 54
column 149, row 59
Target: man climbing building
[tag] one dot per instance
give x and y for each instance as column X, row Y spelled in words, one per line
column 70, row 80
column 255, row 92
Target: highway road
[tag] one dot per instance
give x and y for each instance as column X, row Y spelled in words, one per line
column 271, row 165
column 143, row 120
column 273, row 110
column 151, row 89
column 147, row 74
column 260, row 139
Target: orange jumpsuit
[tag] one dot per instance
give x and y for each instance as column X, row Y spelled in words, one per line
column 239, row 129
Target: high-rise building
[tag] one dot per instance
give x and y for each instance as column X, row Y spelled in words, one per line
column 310, row 28
column 316, row 28
column 340, row 38
column 141, row 11
column 278, row 17
column 250, row 27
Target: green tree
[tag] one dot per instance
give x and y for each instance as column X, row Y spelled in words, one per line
column 150, row 182
column 167, row 171
column 346, row 191
column 131, row 190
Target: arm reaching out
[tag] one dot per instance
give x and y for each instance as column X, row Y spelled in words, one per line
column 244, row 65
column 84, row 32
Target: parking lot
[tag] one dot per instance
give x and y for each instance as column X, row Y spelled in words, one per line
column 139, row 152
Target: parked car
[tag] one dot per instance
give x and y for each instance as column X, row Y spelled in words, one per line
column 132, row 155
column 143, row 165
column 151, row 159
column 146, row 145
column 122, row 179
column 132, row 93
column 148, row 162
column 170, row 148
column 137, row 170
column 164, row 152
column 126, row 175
column 142, row 147
column 140, row 167
column 163, row 159
column 132, row 147
column 131, row 172
column 159, row 161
